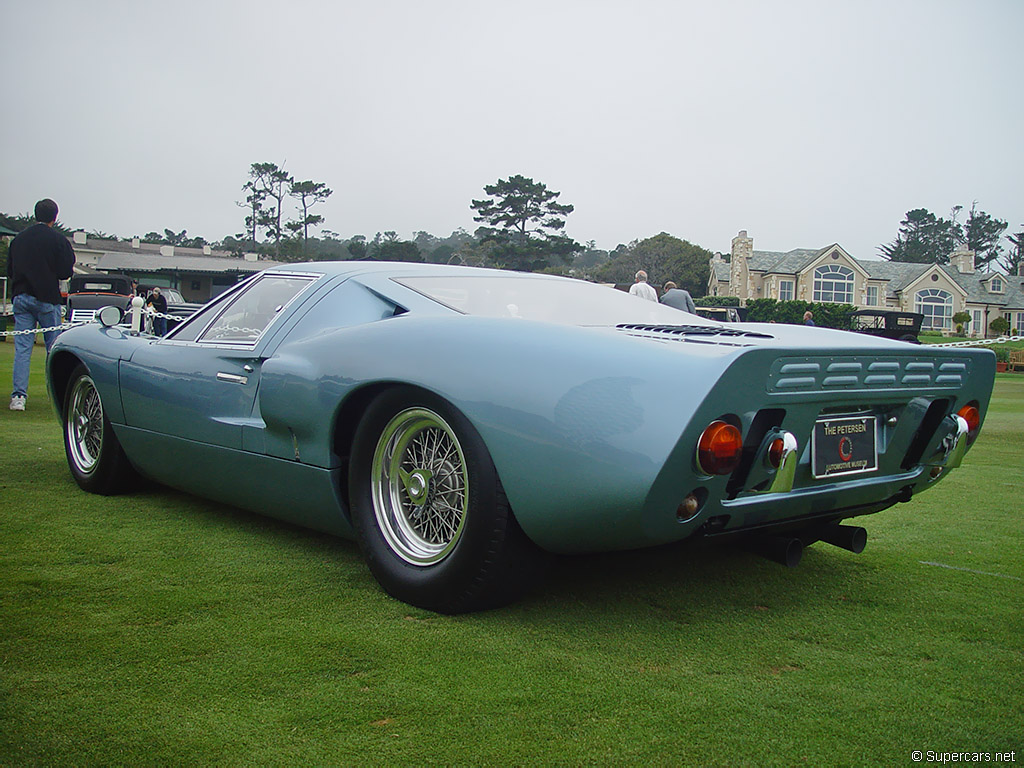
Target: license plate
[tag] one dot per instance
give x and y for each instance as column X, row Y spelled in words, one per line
column 843, row 445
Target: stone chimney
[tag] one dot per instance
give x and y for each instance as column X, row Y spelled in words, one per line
column 166, row 250
column 739, row 266
column 135, row 242
column 962, row 260
column 207, row 250
column 80, row 238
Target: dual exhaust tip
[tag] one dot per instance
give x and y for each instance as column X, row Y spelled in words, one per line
column 788, row 550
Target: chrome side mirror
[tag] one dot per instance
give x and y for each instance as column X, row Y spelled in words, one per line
column 109, row 315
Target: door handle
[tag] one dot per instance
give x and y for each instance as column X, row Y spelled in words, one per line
column 233, row 378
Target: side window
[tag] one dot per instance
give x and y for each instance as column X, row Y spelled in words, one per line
column 251, row 313
column 191, row 328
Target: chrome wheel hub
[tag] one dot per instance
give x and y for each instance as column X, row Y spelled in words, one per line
column 420, row 486
column 85, row 425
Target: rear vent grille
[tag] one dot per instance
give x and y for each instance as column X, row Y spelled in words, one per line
column 702, row 334
column 823, row 374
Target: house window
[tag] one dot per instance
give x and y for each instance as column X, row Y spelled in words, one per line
column 976, row 327
column 996, row 286
column 937, row 308
column 1018, row 327
column 872, row 298
column 785, row 290
column 833, row 284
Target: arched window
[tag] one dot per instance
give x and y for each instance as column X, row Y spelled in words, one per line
column 833, row 284
column 937, row 308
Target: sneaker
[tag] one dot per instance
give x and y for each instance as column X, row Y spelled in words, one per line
column 18, row 403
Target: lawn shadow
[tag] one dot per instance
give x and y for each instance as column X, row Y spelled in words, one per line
column 691, row 580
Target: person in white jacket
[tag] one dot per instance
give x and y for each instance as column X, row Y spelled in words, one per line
column 642, row 289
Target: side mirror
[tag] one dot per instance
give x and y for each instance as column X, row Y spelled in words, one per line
column 109, row 315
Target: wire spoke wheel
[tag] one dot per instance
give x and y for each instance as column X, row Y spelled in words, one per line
column 85, row 426
column 420, row 486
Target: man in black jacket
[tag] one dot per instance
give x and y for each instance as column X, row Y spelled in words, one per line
column 37, row 260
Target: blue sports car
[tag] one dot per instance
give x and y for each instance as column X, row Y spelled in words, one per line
column 463, row 424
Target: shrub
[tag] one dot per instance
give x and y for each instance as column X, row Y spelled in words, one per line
column 999, row 326
column 774, row 311
column 717, row 301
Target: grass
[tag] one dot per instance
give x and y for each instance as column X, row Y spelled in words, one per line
column 158, row 628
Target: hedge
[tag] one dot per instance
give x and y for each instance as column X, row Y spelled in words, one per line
column 775, row 311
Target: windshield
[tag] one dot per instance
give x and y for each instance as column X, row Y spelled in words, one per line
column 568, row 302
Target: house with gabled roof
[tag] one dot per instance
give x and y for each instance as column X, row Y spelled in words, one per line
column 831, row 275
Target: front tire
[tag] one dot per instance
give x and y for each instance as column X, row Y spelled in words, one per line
column 428, row 507
column 95, row 457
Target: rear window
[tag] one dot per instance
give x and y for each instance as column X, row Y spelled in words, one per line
column 563, row 301
column 98, row 285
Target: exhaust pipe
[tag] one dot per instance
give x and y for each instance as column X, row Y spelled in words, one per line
column 852, row 538
column 779, row 549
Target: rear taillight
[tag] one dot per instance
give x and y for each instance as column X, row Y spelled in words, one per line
column 972, row 416
column 719, row 448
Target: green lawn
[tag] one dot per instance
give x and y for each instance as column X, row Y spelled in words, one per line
column 161, row 629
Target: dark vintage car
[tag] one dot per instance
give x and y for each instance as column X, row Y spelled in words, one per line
column 464, row 424
column 87, row 293
column 889, row 324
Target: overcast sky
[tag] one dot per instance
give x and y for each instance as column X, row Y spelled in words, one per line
column 805, row 123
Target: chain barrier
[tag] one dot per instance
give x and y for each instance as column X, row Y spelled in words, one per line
column 64, row 326
column 979, row 342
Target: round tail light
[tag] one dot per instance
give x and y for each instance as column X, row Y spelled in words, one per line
column 972, row 416
column 719, row 448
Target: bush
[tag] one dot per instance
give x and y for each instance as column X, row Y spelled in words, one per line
column 999, row 326
column 717, row 301
column 774, row 311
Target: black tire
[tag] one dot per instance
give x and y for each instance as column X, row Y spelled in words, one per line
column 95, row 457
column 429, row 510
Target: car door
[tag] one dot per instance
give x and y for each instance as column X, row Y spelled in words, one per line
column 200, row 383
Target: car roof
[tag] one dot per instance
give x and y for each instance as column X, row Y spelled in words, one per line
column 399, row 269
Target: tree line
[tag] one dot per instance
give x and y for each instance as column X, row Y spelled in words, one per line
column 522, row 225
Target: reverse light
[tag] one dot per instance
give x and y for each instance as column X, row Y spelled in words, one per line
column 688, row 508
column 719, row 448
column 972, row 416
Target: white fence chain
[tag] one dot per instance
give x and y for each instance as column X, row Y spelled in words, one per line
column 979, row 342
column 65, row 326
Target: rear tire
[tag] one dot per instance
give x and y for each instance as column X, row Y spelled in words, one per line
column 429, row 510
column 95, row 457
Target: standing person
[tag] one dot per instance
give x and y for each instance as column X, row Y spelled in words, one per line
column 642, row 289
column 808, row 317
column 38, row 259
column 158, row 302
column 679, row 298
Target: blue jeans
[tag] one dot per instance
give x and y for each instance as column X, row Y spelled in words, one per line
column 28, row 313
